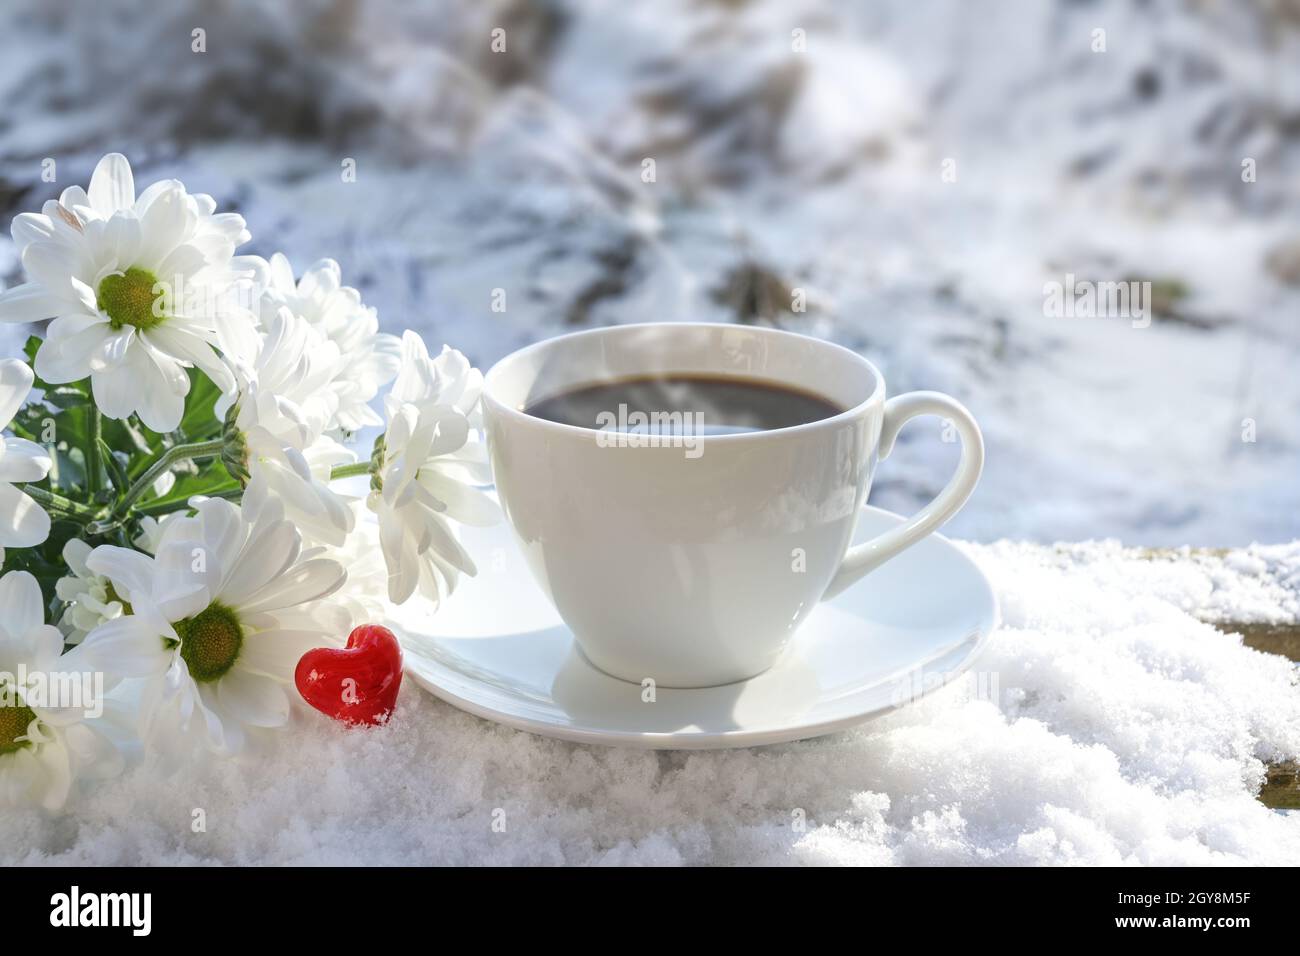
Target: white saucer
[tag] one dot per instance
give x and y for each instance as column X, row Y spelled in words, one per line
column 498, row 649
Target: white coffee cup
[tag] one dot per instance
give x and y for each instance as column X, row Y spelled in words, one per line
column 693, row 566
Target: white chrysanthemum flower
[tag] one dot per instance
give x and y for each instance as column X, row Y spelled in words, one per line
column 282, row 408
column 139, row 290
column 23, row 523
column 365, row 595
column 151, row 529
column 369, row 358
column 220, row 618
column 44, row 743
column 425, row 469
column 89, row 598
column 447, row 380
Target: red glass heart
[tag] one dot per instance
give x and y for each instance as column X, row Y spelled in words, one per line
column 357, row 684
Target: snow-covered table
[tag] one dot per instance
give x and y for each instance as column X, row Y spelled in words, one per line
column 1117, row 717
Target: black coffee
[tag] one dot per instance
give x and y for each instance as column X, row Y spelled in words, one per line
column 685, row 404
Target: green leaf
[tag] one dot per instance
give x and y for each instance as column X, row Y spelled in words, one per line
column 200, row 422
column 45, row 562
column 68, row 476
column 67, row 396
column 212, row 481
column 70, row 434
column 116, row 470
column 141, row 445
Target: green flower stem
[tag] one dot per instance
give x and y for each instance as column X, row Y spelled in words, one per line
column 165, row 505
column 63, row 507
column 350, row 471
column 178, row 453
column 94, row 463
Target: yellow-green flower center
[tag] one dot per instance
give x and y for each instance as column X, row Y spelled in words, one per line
column 129, row 298
column 14, row 721
column 210, row 642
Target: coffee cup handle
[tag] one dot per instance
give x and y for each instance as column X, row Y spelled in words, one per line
column 865, row 558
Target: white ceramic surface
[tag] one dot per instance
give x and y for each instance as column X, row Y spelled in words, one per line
column 498, row 649
column 695, row 565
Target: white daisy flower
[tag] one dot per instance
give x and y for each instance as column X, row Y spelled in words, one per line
column 369, row 358
column 220, row 618
column 275, row 433
column 23, row 523
column 88, row 598
column 424, row 469
column 44, row 743
column 139, row 290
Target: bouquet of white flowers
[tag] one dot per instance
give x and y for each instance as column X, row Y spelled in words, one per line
column 169, row 514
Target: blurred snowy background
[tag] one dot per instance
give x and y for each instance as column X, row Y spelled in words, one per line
column 919, row 170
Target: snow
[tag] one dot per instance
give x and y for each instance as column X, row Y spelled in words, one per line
column 1106, row 724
